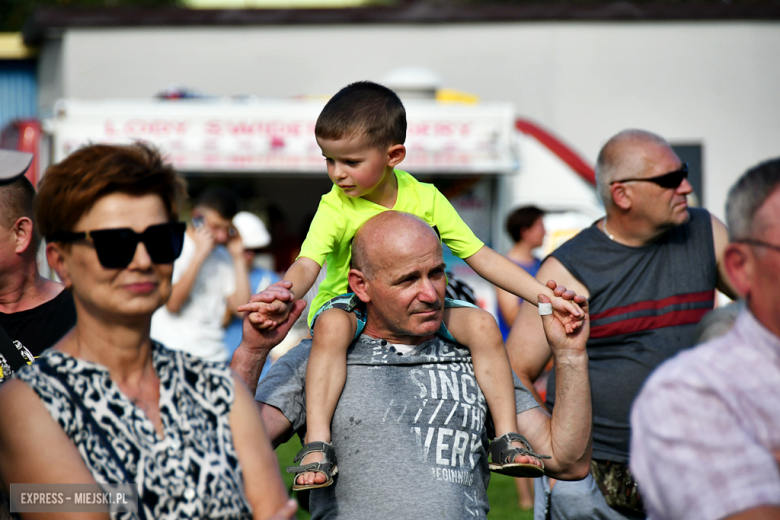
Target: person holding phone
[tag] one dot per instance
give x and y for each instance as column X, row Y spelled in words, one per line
column 210, row 279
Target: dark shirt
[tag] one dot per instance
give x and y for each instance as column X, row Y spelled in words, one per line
column 645, row 303
column 34, row 330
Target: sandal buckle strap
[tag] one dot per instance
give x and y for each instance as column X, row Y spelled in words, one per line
column 313, row 467
column 502, row 451
column 316, row 447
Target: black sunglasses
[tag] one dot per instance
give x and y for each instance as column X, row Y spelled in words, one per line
column 667, row 180
column 116, row 248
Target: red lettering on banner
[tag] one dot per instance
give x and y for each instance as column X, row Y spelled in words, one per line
column 154, row 127
column 439, row 129
column 213, row 128
column 444, row 129
column 241, row 128
column 258, row 128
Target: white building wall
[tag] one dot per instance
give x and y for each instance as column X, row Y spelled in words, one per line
column 713, row 83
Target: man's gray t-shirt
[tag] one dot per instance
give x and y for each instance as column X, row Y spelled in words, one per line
column 409, row 431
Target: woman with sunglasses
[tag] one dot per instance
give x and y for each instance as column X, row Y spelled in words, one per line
column 108, row 404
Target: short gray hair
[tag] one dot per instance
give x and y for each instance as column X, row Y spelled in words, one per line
column 360, row 260
column 748, row 195
column 617, row 155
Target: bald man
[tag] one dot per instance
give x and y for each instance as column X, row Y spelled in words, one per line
column 649, row 269
column 410, row 429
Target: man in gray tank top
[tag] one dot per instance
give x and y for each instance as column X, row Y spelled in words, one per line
column 410, row 428
column 649, row 269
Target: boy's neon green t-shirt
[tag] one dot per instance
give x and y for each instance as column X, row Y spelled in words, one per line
column 339, row 217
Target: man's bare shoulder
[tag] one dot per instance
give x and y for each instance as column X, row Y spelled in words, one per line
column 553, row 269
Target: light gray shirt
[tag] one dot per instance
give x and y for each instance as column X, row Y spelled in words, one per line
column 410, row 431
column 705, row 426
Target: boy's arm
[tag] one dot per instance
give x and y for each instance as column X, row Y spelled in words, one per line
column 303, row 273
column 507, row 275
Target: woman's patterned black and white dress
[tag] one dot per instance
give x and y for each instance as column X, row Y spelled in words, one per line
column 193, row 472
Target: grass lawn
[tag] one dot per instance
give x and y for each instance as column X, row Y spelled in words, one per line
column 502, row 493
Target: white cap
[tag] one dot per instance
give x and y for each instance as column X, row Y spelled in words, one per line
column 252, row 230
column 13, row 164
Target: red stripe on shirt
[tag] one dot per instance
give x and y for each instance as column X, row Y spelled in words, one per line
column 669, row 319
column 656, row 304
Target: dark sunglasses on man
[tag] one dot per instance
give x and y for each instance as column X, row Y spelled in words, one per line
column 116, row 248
column 667, row 180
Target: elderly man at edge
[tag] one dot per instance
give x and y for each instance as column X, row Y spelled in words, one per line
column 706, row 426
column 409, row 430
column 649, row 269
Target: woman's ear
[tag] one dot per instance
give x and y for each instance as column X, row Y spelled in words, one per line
column 56, row 258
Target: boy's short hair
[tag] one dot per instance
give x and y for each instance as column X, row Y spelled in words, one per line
column 521, row 219
column 365, row 108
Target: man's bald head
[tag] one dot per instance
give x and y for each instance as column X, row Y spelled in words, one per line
column 625, row 155
column 398, row 272
column 382, row 235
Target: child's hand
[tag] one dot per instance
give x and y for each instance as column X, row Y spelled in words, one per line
column 566, row 307
column 271, row 306
column 562, row 341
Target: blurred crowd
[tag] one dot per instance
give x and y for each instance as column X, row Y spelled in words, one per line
column 653, row 403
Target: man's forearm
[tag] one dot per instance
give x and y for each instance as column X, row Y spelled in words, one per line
column 277, row 426
column 248, row 365
column 572, row 418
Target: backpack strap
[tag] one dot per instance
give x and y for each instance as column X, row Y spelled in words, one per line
column 10, row 352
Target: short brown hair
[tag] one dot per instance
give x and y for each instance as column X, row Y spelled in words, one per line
column 521, row 219
column 70, row 188
column 364, row 108
column 16, row 201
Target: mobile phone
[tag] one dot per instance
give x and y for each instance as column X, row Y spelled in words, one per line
column 197, row 222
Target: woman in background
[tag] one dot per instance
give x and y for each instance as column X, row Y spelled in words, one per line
column 526, row 227
column 107, row 403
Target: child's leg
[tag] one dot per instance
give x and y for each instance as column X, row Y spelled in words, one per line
column 326, row 373
column 478, row 330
